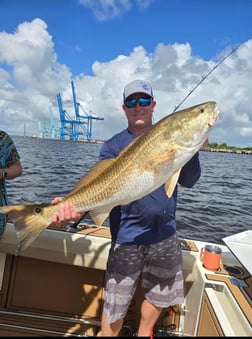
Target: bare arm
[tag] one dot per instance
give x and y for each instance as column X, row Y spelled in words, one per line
column 12, row 171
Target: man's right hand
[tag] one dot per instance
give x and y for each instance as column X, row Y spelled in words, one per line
column 66, row 212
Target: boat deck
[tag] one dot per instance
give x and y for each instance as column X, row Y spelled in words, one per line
column 55, row 288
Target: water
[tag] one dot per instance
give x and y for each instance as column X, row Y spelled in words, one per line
column 219, row 205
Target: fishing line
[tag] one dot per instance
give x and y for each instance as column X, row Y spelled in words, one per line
column 206, row 76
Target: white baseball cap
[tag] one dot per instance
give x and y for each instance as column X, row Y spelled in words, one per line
column 137, row 86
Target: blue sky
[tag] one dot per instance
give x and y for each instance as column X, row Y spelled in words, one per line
column 103, row 47
column 81, row 36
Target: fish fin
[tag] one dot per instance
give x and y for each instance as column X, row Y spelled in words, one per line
column 97, row 169
column 28, row 221
column 92, row 174
column 99, row 215
column 172, row 182
column 134, row 141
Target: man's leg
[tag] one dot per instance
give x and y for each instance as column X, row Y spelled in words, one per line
column 162, row 281
column 110, row 330
column 123, row 270
column 149, row 316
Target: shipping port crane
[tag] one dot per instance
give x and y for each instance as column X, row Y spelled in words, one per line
column 73, row 128
column 49, row 131
column 88, row 117
column 68, row 124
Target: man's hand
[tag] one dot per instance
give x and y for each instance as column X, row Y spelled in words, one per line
column 66, row 212
column 205, row 144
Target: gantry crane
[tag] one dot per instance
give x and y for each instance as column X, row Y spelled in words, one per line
column 73, row 128
column 68, row 125
column 88, row 117
column 47, row 131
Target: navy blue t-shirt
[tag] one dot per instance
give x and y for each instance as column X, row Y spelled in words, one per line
column 152, row 218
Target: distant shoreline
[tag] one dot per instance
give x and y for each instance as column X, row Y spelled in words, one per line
column 211, row 147
column 226, row 150
column 215, row 147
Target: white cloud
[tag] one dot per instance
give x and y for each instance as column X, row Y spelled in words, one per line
column 31, row 77
column 108, row 9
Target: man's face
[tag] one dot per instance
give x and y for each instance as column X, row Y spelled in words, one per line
column 139, row 114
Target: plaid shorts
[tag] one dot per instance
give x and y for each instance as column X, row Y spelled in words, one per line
column 160, row 267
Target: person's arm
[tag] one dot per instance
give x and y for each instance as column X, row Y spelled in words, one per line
column 191, row 172
column 13, row 171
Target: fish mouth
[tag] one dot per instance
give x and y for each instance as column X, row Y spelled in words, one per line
column 214, row 117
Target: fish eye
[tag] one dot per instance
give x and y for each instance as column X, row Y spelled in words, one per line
column 201, row 110
column 37, row 210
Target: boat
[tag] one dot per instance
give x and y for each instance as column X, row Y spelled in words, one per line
column 55, row 287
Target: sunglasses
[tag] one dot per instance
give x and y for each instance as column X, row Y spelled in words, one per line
column 133, row 102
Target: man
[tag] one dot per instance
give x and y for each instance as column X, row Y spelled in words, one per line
column 10, row 168
column 144, row 241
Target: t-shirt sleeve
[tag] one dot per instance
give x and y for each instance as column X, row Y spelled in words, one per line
column 9, row 153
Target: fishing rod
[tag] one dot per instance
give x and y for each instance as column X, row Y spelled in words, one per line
column 206, row 76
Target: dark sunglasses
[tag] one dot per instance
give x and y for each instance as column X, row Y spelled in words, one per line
column 133, row 102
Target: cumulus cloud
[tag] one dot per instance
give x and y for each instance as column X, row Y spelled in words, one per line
column 31, row 77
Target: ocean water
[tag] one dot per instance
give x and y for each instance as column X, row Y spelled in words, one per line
column 219, row 204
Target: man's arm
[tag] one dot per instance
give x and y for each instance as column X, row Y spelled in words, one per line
column 191, row 172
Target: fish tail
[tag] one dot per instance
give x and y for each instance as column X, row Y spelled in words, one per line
column 26, row 232
column 29, row 222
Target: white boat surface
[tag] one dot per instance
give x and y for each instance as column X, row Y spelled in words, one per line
column 55, row 287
